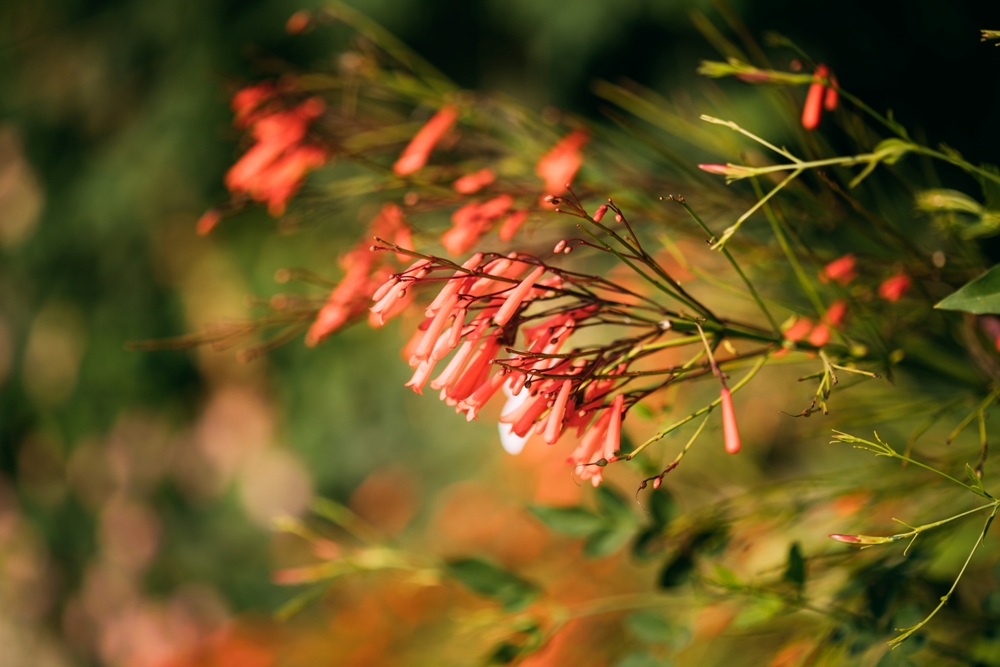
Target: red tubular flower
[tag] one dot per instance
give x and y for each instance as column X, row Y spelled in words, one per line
column 207, row 222
column 272, row 170
column 550, row 391
column 560, row 164
column 474, row 182
column 472, row 221
column 554, row 425
column 893, row 288
column 418, row 151
column 835, row 313
column 840, row 270
column 613, row 438
column 512, row 224
column 820, row 335
column 730, row 432
column 298, row 22
column 347, row 299
column 813, row 108
column 516, row 297
column 831, row 98
column 248, row 100
column 799, row 329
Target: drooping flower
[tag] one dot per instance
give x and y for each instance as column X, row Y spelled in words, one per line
column 476, row 317
column 365, row 274
column 840, row 270
column 418, row 151
column 812, row 110
column 893, row 288
column 560, row 164
column 730, row 432
column 273, row 169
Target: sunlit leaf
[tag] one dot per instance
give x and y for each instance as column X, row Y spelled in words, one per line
column 489, row 580
column 980, row 296
column 606, row 541
column 575, row 521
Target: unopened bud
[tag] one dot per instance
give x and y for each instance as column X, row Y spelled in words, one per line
column 862, row 539
column 599, row 213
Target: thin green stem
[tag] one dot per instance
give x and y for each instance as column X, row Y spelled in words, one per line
column 807, row 286
column 728, row 234
column 736, row 266
column 708, row 408
column 907, row 632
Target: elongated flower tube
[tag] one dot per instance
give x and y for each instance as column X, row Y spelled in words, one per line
column 813, row 108
column 418, row 151
column 516, row 297
column 730, row 432
column 613, row 438
column 560, row 164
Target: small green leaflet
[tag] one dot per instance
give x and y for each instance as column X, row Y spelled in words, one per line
column 979, row 297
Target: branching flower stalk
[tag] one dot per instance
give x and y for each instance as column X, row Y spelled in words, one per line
column 975, row 485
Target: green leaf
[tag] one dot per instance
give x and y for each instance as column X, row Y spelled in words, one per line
column 649, row 627
column 606, row 541
column 504, row 654
column 661, row 506
column 489, row 580
column 979, row 297
column 890, row 150
column 677, row 572
column 614, row 506
column 760, row 610
column 575, row 521
column 975, row 482
column 727, row 578
column 795, row 570
column 648, row 543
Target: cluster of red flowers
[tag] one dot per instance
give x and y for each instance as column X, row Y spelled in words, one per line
column 477, row 314
column 842, row 271
column 364, row 271
column 272, row 170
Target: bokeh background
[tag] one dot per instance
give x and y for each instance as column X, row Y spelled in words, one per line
column 137, row 489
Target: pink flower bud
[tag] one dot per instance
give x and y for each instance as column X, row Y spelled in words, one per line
column 599, row 213
column 730, row 432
